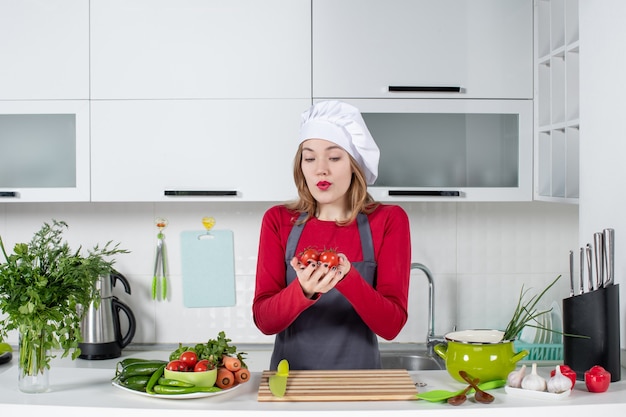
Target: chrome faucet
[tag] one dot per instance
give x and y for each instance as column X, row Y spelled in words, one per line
column 431, row 339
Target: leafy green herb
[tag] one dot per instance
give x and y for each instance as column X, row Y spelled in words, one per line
column 525, row 313
column 42, row 286
column 212, row 350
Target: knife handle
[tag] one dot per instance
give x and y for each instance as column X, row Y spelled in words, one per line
column 571, row 273
column 582, row 271
column 589, row 267
column 598, row 244
column 609, row 255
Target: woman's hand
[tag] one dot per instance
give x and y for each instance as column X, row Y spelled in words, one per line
column 316, row 278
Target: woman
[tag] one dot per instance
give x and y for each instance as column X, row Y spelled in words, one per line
column 329, row 318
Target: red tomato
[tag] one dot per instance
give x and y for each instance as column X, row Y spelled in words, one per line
column 189, row 358
column 202, row 366
column 568, row 372
column 329, row 258
column 308, row 256
column 176, row 365
column 597, row 379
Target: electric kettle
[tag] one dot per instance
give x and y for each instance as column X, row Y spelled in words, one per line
column 100, row 327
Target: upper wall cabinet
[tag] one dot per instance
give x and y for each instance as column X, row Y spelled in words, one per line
column 423, row 49
column 194, row 150
column 44, row 150
column 44, row 47
column 189, row 49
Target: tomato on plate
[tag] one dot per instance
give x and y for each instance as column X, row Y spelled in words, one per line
column 309, row 255
column 329, row 258
column 176, row 365
column 189, row 358
column 202, row 366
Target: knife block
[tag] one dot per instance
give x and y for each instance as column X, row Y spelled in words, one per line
column 594, row 314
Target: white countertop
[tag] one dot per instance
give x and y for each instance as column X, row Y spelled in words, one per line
column 83, row 388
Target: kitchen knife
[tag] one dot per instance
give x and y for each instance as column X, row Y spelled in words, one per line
column 598, row 243
column 278, row 381
column 571, row 273
column 589, row 268
column 609, row 255
column 278, row 385
column 582, row 271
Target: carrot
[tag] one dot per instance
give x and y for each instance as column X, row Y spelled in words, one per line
column 225, row 378
column 242, row 375
column 231, row 363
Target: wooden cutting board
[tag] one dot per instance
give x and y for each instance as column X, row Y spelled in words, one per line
column 344, row 385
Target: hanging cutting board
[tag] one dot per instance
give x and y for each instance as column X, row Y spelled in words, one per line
column 343, row 385
column 208, row 268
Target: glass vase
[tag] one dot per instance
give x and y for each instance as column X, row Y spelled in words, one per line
column 33, row 362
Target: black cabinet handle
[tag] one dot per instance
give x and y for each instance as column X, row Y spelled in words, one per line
column 201, row 193
column 424, row 89
column 8, row 194
column 420, row 193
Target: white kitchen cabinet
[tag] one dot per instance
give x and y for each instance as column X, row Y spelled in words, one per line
column 194, row 150
column 44, row 47
column 557, row 130
column 451, row 150
column 44, row 151
column 483, row 48
column 190, row 49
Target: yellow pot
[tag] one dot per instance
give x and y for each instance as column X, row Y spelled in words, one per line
column 481, row 353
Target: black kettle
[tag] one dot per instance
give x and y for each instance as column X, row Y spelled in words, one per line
column 100, row 327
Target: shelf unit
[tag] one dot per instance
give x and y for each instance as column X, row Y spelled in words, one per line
column 557, row 129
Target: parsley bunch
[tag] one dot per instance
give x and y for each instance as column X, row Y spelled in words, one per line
column 42, row 286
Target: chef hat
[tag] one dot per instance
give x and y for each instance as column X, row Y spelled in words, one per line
column 342, row 124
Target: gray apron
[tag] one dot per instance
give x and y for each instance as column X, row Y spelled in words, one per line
column 330, row 334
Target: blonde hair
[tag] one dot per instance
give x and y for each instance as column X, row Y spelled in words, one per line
column 359, row 199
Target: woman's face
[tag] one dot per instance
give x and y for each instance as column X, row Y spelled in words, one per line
column 327, row 171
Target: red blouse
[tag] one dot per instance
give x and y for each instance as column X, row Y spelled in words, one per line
column 383, row 308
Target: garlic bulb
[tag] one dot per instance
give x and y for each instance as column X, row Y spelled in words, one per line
column 534, row 381
column 559, row 382
column 514, row 380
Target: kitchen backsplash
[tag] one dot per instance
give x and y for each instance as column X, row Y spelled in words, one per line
column 480, row 255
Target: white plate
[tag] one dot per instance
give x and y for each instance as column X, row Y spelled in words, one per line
column 538, row 395
column 176, row 396
column 528, row 334
column 547, row 325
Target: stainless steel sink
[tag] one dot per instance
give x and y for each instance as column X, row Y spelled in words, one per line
column 411, row 361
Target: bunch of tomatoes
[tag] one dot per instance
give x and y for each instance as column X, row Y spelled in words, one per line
column 188, row 362
column 326, row 257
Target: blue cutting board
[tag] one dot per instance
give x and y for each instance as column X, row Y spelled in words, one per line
column 208, row 268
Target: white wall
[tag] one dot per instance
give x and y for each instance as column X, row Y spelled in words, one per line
column 602, row 132
column 480, row 255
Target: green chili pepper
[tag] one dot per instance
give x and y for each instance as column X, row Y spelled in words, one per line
column 154, row 379
column 174, row 383
column 136, row 383
column 168, row 390
column 125, row 362
column 140, row 368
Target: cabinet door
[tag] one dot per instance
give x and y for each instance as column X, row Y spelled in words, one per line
column 483, row 47
column 196, row 150
column 44, row 150
column 44, row 47
column 200, row 49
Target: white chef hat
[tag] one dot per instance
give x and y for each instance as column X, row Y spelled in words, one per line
column 342, row 124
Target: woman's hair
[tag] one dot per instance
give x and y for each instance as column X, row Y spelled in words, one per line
column 359, row 200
